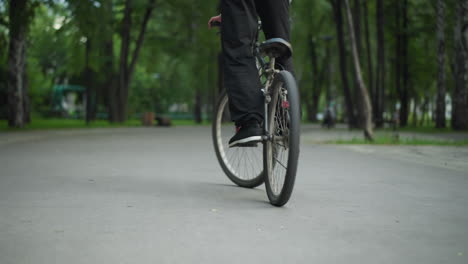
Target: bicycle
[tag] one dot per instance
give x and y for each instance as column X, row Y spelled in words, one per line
column 275, row 164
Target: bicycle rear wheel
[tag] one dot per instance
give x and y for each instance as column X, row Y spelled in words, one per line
column 281, row 152
column 242, row 165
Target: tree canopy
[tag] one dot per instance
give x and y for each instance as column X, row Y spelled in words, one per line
column 151, row 55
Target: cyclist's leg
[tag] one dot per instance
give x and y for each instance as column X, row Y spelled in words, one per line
column 276, row 24
column 238, row 32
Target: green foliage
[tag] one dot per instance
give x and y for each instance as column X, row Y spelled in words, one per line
column 179, row 54
column 40, row 87
column 144, row 91
column 47, row 55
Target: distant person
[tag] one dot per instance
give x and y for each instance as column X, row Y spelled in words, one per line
column 329, row 118
column 238, row 34
column 396, row 119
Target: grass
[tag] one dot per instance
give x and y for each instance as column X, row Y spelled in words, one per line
column 58, row 123
column 426, row 128
column 389, row 140
column 422, row 129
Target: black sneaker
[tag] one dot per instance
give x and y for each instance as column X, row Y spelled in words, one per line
column 247, row 135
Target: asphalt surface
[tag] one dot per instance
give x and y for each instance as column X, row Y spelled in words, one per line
column 157, row 195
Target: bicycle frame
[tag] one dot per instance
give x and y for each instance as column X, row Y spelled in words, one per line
column 269, row 70
column 281, row 128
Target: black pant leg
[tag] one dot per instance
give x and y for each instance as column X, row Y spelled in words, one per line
column 276, row 24
column 238, row 32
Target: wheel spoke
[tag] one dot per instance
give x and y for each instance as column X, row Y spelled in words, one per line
column 241, row 163
column 279, row 145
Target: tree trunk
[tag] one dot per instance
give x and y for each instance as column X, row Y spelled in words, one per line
column 317, row 88
column 424, row 108
column 465, row 44
column 398, row 55
column 125, row 69
column 401, row 60
column 380, row 78
column 26, row 100
column 357, row 26
column 460, row 93
column 311, row 111
column 90, row 92
column 327, row 68
column 367, row 109
column 356, row 12
column 404, row 97
column 109, row 60
column 123, row 81
column 343, row 67
column 111, row 84
column 370, row 74
column 415, row 112
column 17, row 85
column 197, row 109
column 441, row 89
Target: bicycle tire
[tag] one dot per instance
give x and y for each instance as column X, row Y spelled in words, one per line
column 290, row 113
column 220, row 150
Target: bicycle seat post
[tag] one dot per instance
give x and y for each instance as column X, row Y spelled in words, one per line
column 272, row 63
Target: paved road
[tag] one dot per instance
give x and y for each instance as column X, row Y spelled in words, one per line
column 157, row 195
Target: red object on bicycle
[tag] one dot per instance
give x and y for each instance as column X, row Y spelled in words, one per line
column 285, row 104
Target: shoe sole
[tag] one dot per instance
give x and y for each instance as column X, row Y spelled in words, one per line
column 246, row 141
